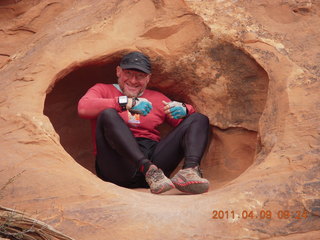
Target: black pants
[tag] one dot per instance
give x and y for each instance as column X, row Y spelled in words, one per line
column 119, row 153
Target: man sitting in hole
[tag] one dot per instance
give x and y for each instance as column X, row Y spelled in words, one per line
column 125, row 117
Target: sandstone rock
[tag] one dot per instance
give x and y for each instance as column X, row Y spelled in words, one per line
column 21, row 20
column 251, row 66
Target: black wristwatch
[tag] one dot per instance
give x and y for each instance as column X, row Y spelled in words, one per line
column 123, row 101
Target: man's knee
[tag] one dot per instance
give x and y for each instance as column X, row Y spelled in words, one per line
column 199, row 117
column 108, row 115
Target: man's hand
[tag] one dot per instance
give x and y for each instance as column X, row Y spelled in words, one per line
column 140, row 106
column 175, row 109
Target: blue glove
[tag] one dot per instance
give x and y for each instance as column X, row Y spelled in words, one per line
column 141, row 106
column 175, row 109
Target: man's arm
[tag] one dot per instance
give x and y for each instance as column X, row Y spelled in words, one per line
column 94, row 102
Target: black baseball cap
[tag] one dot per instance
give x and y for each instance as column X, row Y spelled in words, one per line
column 136, row 61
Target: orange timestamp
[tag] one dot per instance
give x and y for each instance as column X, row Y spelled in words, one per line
column 261, row 214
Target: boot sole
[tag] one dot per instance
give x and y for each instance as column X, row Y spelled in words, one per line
column 192, row 187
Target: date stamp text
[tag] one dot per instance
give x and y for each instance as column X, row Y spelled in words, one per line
column 261, row 214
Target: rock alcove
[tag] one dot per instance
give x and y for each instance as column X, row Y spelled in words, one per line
column 232, row 147
column 242, row 63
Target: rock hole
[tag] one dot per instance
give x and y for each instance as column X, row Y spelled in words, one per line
column 61, row 108
column 232, row 147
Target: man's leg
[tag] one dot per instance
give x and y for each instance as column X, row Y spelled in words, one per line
column 188, row 141
column 118, row 154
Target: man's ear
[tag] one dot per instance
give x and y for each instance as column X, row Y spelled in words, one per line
column 118, row 71
column 148, row 78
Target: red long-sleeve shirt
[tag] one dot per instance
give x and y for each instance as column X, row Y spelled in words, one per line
column 103, row 96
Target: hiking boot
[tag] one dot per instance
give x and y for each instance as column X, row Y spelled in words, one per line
column 189, row 180
column 157, row 181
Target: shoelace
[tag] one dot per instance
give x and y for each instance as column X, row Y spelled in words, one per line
column 156, row 175
column 194, row 171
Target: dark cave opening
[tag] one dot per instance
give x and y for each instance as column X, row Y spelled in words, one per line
column 230, row 151
column 61, row 108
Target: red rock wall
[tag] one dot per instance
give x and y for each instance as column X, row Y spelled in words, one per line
column 251, row 66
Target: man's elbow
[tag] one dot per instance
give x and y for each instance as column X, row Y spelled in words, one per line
column 83, row 111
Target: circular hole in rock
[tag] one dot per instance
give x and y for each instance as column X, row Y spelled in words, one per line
column 61, row 108
column 230, row 151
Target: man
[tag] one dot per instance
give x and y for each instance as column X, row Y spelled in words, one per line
column 125, row 117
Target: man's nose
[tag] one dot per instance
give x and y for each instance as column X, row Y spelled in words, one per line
column 133, row 79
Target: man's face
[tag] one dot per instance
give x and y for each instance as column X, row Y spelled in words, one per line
column 132, row 82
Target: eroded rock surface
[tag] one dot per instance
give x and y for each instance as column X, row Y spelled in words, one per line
column 251, row 66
